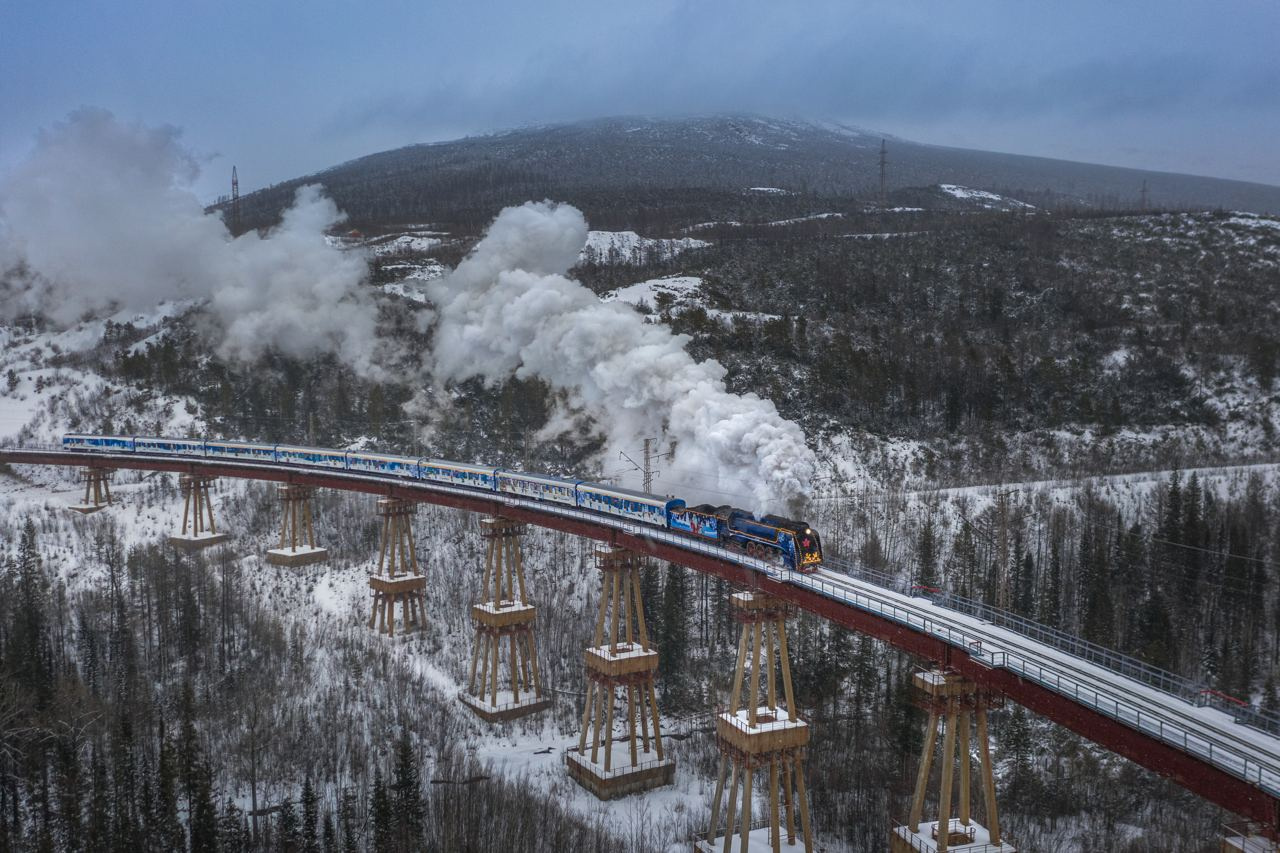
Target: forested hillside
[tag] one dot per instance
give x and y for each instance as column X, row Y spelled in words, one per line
column 1046, row 411
column 630, row 161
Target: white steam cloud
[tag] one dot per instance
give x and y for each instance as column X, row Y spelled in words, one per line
column 101, row 216
column 509, row 309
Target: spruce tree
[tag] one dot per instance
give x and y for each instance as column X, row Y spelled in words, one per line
column 168, row 831
column 347, row 821
column 328, row 835
column 927, row 557
column 380, row 815
column 310, row 816
column 289, row 838
column 406, row 796
column 673, row 643
column 232, row 829
column 203, row 814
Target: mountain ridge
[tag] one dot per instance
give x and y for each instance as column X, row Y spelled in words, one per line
column 477, row 174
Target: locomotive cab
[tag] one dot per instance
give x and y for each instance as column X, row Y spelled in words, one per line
column 808, row 544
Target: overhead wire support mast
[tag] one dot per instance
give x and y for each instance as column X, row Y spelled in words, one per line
column 647, row 471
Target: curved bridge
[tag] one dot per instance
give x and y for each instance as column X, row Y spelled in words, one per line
column 1144, row 716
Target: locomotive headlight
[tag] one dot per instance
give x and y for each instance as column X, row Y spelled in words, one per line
column 807, row 530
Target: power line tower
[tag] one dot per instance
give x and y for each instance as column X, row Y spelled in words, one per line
column 884, row 162
column 1143, row 203
column 235, row 201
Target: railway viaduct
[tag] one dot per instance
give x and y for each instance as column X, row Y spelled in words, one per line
column 1222, row 750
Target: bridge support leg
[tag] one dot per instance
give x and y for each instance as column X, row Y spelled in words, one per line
column 297, row 531
column 199, row 530
column 761, row 731
column 397, row 579
column 503, row 616
column 951, row 701
column 621, row 658
column 97, row 490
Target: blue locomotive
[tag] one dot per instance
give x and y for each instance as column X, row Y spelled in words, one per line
column 773, row 538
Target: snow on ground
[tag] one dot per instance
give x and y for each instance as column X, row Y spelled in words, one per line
column 646, row 293
column 680, row 293
column 331, row 600
column 19, row 345
column 404, row 244
column 728, row 223
column 623, row 247
column 882, row 235
column 52, row 395
column 769, row 190
column 811, row 217
column 1253, row 220
column 777, row 222
column 987, row 200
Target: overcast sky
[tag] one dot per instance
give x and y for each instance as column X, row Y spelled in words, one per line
column 285, row 88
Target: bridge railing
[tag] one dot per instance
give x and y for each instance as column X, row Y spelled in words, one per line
column 1217, row 752
column 1195, row 692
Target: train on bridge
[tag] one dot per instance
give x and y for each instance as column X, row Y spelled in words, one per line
column 791, row 543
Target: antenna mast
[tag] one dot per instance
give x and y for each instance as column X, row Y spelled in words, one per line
column 884, row 162
column 1144, row 196
column 235, row 201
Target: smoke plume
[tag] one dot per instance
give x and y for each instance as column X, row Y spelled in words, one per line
column 101, row 217
column 510, row 309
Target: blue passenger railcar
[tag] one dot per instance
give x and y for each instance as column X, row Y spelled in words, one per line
column 457, row 474
column 217, row 449
column 318, row 456
column 77, row 441
column 382, row 463
column 169, row 446
column 640, row 506
column 538, row 486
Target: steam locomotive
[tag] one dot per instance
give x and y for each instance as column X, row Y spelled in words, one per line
column 791, row 543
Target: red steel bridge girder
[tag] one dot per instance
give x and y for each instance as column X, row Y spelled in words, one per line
column 1197, row 776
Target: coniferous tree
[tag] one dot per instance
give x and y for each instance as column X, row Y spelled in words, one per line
column 27, row 650
column 927, row 557
column 97, row 834
column 203, row 814
column 381, row 816
column 233, row 832
column 406, row 797
column 673, row 643
column 289, row 836
column 347, row 820
column 310, row 817
column 328, row 834
column 168, row 833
